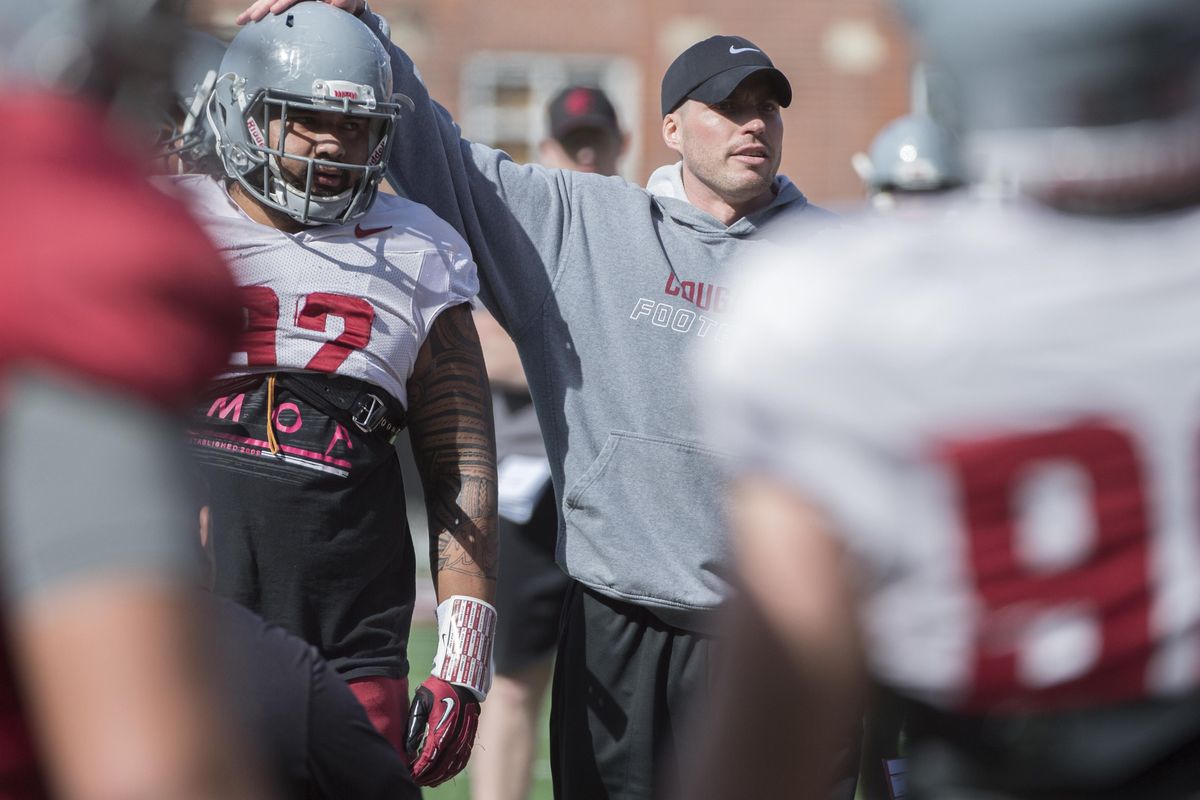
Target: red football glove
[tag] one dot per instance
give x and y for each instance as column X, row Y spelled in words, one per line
column 441, row 731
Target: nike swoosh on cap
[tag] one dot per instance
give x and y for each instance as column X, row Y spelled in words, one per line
column 735, row 50
column 361, row 232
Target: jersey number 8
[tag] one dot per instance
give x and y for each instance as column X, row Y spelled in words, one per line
column 1109, row 583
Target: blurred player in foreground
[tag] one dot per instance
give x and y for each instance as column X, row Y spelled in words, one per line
column 357, row 324
column 586, row 137
column 969, row 459
column 115, row 310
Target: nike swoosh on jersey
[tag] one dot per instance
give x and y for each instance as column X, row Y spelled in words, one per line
column 360, row 231
column 735, row 50
column 449, row 701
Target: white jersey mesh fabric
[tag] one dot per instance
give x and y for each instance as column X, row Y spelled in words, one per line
column 355, row 300
column 999, row 409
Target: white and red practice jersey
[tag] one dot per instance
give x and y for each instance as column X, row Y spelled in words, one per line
column 1000, row 415
column 355, row 300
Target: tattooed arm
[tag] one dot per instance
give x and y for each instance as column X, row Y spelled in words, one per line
column 454, row 443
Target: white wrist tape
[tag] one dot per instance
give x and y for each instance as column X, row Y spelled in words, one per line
column 466, row 632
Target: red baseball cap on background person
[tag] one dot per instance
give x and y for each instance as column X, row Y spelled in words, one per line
column 578, row 107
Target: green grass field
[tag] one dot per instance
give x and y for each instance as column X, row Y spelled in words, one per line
column 421, row 645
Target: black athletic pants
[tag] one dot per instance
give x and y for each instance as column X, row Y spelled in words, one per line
column 629, row 691
column 624, row 684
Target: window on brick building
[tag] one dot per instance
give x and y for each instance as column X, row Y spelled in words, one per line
column 504, row 97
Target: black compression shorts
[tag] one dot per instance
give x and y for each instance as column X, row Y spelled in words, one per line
column 530, row 589
column 315, row 536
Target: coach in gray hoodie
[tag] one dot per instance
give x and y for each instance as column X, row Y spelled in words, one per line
column 604, row 286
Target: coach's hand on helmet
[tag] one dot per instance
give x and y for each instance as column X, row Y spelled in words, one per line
column 260, row 8
column 441, row 731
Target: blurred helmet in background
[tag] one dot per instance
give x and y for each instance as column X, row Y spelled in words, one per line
column 911, row 154
column 186, row 141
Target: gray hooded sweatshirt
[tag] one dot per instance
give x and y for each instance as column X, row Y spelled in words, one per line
column 604, row 287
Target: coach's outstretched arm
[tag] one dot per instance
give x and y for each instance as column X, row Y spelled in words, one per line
column 454, row 443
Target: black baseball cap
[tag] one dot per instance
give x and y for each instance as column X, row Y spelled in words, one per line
column 710, row 70
column 578, row 107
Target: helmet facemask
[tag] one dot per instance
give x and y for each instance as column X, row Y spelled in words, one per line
column 259, row 169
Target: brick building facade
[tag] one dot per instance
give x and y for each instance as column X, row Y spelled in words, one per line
column 494, row 63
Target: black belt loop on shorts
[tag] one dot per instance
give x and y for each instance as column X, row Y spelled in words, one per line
column 364, row 406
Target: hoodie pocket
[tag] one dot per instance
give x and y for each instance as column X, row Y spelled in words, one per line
column 646, row 521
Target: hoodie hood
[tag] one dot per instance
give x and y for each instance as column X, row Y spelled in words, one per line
column 666, row 186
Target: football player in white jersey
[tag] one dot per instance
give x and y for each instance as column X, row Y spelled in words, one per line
column 968, row 459
column 356, row 323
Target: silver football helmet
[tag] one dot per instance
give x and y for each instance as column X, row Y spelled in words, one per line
column 186, row 134
column 310, row 58
column 911, row 154
column 1076, row 97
